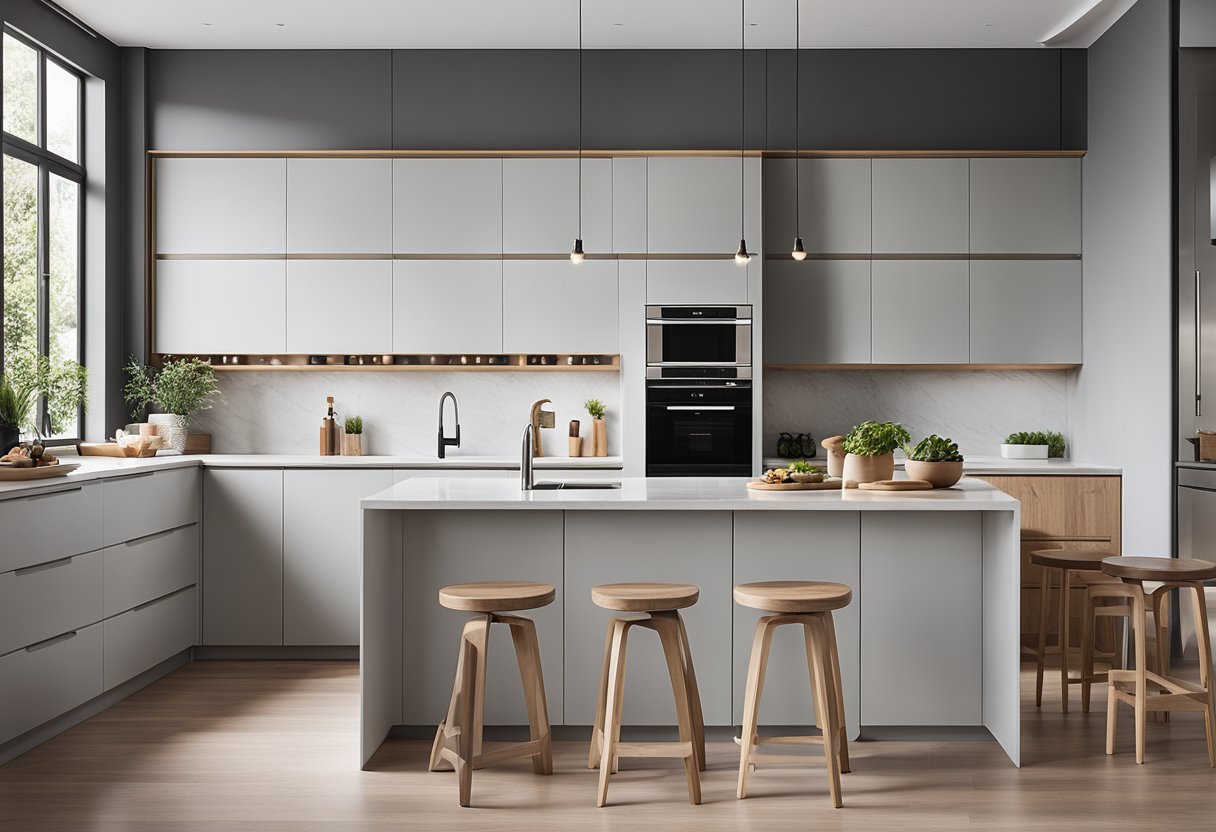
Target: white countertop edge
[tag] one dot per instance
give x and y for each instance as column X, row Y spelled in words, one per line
column 999, row 466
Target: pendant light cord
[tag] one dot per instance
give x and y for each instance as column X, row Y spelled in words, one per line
column 797, row 121
column 742, row 115
column 580, row 119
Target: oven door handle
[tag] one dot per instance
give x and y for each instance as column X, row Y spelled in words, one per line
column 699, row 321
column 700, row 407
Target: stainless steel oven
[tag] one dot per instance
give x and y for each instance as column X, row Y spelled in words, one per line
column 698, row 428
column 682, row 338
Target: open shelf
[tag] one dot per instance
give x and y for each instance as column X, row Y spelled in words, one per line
column 513, row 363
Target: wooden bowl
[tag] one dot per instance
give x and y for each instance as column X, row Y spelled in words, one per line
column 939, row 474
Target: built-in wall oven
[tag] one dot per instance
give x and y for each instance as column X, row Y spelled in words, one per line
column 698, row 391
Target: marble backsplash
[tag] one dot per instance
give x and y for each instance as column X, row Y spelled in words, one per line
column 976, row 409
column 281, row 412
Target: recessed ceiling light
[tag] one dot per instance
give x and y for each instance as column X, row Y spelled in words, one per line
column 618, row 24
column 206, row 24
column 280, row 25
column 989, row 25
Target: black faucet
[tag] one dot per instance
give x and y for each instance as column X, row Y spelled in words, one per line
column 445, row 441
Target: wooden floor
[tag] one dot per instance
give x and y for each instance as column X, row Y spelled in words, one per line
column 261, row 746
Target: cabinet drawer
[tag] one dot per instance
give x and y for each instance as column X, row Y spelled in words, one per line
column 49, row 526
column 147, row 635
column 45, row 680
column 146, row 568
column 39, row 602
column 144, row 504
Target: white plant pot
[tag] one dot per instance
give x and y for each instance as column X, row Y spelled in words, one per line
column 1024, row 451
column 173, row 428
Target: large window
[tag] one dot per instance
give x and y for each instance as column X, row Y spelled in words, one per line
column 43, row 224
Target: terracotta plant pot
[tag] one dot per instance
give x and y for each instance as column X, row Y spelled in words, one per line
column 938, row 474
column 868, row 468
column 835, row 455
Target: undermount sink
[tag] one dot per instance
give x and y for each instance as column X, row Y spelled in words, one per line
column 555, row 486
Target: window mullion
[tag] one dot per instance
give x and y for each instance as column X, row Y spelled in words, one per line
column 44, row 278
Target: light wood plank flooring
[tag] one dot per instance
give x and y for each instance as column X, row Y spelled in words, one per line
column 272, row 747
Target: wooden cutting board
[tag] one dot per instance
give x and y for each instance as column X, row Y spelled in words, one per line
column 826, row 485
column 896, row 485
column 10, row 474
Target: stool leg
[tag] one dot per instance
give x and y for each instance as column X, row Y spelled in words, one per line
column 466, row 742
column 1141, row 621
column 669, row 635
column 527, row 651
column 816, row 653
column 1044, row 603
column 1087, row 649
column 1065, row 591
column 756, row 667
column 1112, row 717
column 612, row 721
column 694, row 694
column 1161, row 635
column 601, row 708
column 1204, row 639
column 830, row 625
column 454, row 704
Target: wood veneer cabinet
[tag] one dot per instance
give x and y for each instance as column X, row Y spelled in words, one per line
column 1058, row 512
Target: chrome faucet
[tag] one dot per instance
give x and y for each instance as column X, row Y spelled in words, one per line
column 445, row 441
column 526, row 482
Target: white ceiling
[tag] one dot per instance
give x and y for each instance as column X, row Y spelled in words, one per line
column 613, row 24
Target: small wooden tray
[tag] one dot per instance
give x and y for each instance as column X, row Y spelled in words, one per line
column 10, row 474
column 896, row 485
column 826, row 485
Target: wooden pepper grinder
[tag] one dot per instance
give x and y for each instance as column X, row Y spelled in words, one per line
column 576, row 442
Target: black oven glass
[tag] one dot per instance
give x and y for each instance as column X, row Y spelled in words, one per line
column 700, row 343
column 694, row 430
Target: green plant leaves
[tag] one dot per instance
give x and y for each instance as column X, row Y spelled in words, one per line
column 872, row 438
column 1052, row 439
column 934, row 448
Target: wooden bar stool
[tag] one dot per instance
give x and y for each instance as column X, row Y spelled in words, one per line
column 1131, row 686
column 810, row 604
column 1058, row 565
column 661, row 604
column 458, row 740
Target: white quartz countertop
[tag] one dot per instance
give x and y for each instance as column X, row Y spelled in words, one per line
column 999, row 466
column 96, row 468
column 680, row 494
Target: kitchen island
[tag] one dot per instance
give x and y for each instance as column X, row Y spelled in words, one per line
column 930, row 640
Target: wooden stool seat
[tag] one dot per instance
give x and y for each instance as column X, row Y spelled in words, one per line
column 793, row 596
column 497, row 596
column 1078, row 560
column 1159, row 569
column 644, row 597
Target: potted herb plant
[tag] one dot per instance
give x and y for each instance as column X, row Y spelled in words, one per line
column 1034, row 444
column 870, row 451
column 599, row 432
column 352, row 439
column 16, row 402
column 178, row 388
column 61, row 383
column 936, row 460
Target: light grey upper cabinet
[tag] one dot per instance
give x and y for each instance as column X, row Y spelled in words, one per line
column 833, row 202
column 339, row 306
column 447, row 206
column 697, row 281
column 920, row 206
column 219, row 306
column 629, row 205
column 1026, row 312
column 339, row 206
column 919, row 311
column 693, row 204
column 555, row 306
column 817, row 312
column 1026, row 206
column 221, row 206
column 447, row 306
column 540, row 199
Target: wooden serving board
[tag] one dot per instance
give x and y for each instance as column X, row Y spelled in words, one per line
column 10, row 474
column 826, row 485
column 896, row 485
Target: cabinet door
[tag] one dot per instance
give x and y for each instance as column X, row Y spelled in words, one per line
column 629, row 205
column 697, row 281
column 1026, row 312
column 693, row 205
column 1026, row 206
column 676, row 546
column 920, row 206
column 540, row 199
column 833, row 201
column 919, row 311
column 221, row 206
column 556, row 306
column 447, row 206
column 339, row 306
column 817, row 312
column 322, row 551
column 218, row 306
column 339, row 206
column 447, row 306
column 242, row 556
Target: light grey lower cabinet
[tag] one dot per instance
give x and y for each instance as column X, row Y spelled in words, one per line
column 40, row 602
column 919, row 312
column 322, row 529
column 447, row 306
column 47, row 679
column 817, row 312
column 1025, row 311
column 797, row 546
column 555, row 306
column 242, row 556
column 339, row 306
column 166, row 500
column 73, row 513
column 465, row 546
column 680, row 547
column 920, row 578
column 149, row 634
column 141, row 570
column 697, row 281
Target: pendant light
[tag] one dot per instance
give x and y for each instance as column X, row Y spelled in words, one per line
column 799, row 253
column 576, row 253
column 741, row 255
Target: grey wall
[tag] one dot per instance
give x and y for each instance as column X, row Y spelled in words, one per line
column 1122, row 403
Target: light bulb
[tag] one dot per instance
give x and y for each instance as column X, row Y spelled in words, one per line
column 799, row 253
column 741, row 256
column 576, row 253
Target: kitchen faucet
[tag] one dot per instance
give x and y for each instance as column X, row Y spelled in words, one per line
column 525, row 460
column 445, row 441
column 539, row 418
